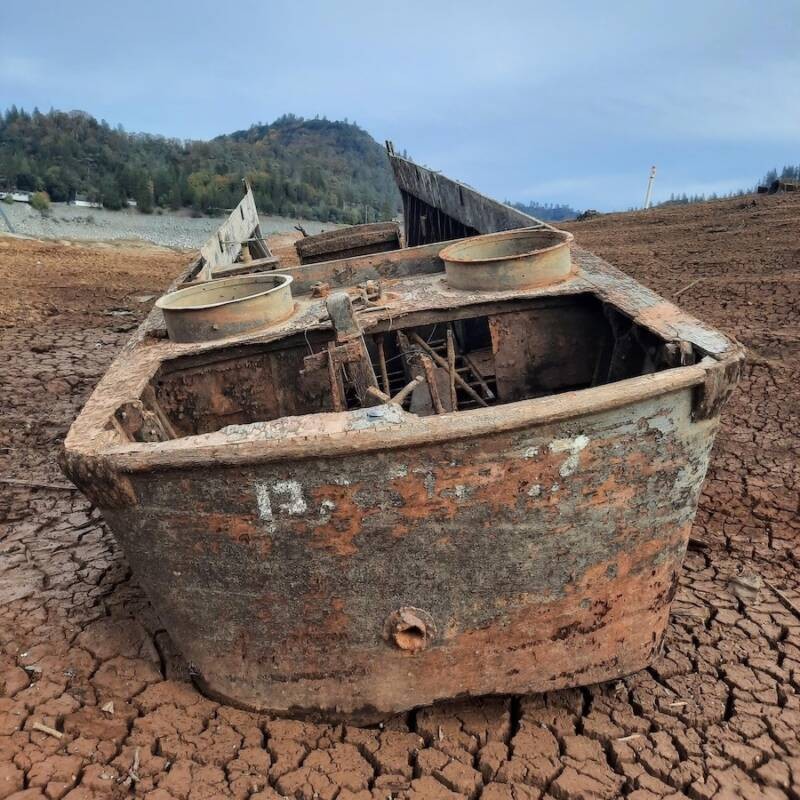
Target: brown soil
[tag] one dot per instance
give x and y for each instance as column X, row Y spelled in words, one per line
column 718, row 716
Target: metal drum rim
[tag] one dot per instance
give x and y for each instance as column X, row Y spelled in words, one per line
column 164, row 303
column 449, row 253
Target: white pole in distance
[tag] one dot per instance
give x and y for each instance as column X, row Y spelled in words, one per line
column 649, row 187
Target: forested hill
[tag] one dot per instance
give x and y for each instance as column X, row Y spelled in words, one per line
column 331, row 171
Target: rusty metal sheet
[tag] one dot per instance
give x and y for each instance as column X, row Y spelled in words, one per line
column 538, row 558
column 537, row 350
column 508, row 260
column 225, row 307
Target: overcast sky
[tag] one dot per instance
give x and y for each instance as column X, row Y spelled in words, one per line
column 557, row 102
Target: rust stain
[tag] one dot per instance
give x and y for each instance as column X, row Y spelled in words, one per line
column 344, row 521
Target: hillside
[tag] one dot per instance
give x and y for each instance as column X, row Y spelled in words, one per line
column 332, row 171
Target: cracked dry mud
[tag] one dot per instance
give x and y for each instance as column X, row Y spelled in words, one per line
column 81, row 653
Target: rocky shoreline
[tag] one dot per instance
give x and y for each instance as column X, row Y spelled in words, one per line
column 168, row 229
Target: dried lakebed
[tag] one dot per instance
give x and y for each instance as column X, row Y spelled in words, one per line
column 718, row 715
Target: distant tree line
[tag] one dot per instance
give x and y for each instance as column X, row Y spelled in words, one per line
column 331, row 171
column 685, row 199
column 788, row 173
column 547, row 212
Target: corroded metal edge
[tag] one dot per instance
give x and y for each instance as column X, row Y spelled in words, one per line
column 209, row 320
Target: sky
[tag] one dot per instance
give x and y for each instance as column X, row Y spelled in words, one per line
column 563, row 102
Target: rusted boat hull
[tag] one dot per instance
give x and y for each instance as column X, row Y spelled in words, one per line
column 315, row 548
column 541, row 557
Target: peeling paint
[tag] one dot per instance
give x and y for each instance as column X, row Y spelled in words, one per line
column 326, row 509
column 573, row 446
column 661, row 423
column 460, row 492
column 362, row 418
column 264, row 505
column 294, row 504
column 289, row 497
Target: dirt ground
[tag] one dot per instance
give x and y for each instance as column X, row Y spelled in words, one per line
column 81, row 653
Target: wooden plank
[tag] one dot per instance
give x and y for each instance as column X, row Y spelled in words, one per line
column 454, row 199
column 451, row 366
column 382, row 362
column 348, row 242
column 256, row 265
column 223, row 248
column 334, row 376
column 310, row 442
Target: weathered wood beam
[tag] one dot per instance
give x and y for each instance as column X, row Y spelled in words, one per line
column 417, row 339
column 360, row 371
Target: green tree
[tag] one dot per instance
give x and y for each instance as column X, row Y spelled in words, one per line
column 144, row 196
column 41, row 202
column 111, row 194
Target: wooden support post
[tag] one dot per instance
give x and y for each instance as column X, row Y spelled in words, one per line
column 407, row 390
column 360, row 372
column 422, row 405
column 443, row 363
column 451, row 366
column 433, row 388
column 382, row 363
column 377, row 394
column 337, row 391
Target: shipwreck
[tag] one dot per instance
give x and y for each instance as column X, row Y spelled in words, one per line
column 465, row 465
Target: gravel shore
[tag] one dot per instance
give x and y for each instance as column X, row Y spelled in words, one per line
column 168, row 229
